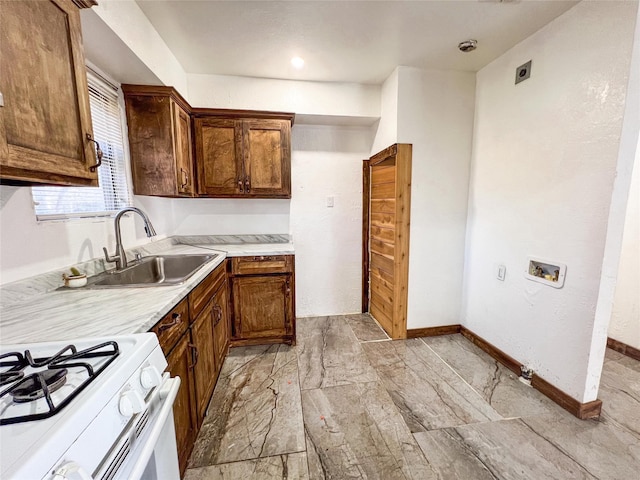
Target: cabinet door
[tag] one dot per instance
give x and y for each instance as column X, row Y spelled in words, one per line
column 180, row 363
column 262, row 306
column 205, row 369
column 267, row 158
column 182, row 147
column 221, row 334
column 46, row 113
column 219, row 156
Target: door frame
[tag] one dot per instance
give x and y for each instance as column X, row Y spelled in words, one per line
column 401, row 155
column 366, row 193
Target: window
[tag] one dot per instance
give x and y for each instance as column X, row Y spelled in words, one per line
column 52, row 203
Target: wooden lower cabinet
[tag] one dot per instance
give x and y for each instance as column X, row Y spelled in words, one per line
column 221, row 325
column 180, row 364
column 261, row 307
column 263, row 300
column 205, row 369
column 196, row 334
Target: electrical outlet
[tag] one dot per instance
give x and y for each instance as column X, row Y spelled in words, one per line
column 330, row 201
column 523, row 72
column 501, row 273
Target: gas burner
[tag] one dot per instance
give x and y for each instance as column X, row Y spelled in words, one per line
column 37, row 385
column 27, row 378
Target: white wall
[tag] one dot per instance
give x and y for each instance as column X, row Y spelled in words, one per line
column 130, row 24
column 612, row 257
column 216, row 216
column 387, row 127
column 625, row 314
column 302, row 97
column 625, row 318
column 327, row 162
column 435, row 115
column 544, row 162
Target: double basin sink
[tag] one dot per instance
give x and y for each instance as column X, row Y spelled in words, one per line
column 153, row 271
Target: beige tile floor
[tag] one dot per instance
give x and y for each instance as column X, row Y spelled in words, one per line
column 348, row 403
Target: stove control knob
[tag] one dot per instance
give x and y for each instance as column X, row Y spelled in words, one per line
column 150, row 377
column 131, row 402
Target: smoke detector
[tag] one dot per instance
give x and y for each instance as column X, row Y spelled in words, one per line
column 468, row 46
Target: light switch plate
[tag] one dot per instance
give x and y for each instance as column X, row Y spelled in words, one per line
column 330, row 201
column 502, row 272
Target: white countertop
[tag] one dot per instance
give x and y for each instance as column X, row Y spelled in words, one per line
column 71, row 314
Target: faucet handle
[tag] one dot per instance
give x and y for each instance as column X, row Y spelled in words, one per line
column 108, row 257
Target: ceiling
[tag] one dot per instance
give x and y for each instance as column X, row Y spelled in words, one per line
column 342, row 41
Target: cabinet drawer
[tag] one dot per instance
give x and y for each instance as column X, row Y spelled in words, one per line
column 172, row 326
column 200, row 296
column 262, row 264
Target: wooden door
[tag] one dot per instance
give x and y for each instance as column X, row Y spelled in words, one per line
column 46, row 113
column 221, row 331
column 388, row 237
column 182, row 147
column 205, row 369
column 262, row 306
column 219, row 156
column 180, row 364
column 267, row 158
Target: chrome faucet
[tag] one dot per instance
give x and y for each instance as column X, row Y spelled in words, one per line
column 120, row 258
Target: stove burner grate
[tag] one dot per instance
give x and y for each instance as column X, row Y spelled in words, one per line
column 37, row 385
column 52, row 376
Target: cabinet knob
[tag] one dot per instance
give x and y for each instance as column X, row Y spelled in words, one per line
column 247, row 184
column 241, row 185
column 99, row 153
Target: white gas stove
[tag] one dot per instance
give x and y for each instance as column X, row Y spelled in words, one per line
column 99, row 408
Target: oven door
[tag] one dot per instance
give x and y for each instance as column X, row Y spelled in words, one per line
column 145, row 450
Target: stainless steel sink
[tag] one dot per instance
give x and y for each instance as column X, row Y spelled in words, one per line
column 153, row 271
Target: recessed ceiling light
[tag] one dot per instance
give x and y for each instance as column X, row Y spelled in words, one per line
column 297, row 62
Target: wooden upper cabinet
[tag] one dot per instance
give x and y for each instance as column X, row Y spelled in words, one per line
column 46, row 116
column 159, row 125
column 184, row 157
column 243, row 154
column 219, row 156
column 267, row 157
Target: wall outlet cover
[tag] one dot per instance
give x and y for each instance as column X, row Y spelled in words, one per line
column 523, row 72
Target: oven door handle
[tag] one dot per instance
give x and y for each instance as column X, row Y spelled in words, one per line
column 70, row 468
column 168, row 394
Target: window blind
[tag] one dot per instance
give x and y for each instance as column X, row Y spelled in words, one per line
column 52, row 203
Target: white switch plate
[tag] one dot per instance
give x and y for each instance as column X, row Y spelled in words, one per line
column 330, row 201
column 502, row 271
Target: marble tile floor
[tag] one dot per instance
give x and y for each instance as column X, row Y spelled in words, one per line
column 348, row 403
